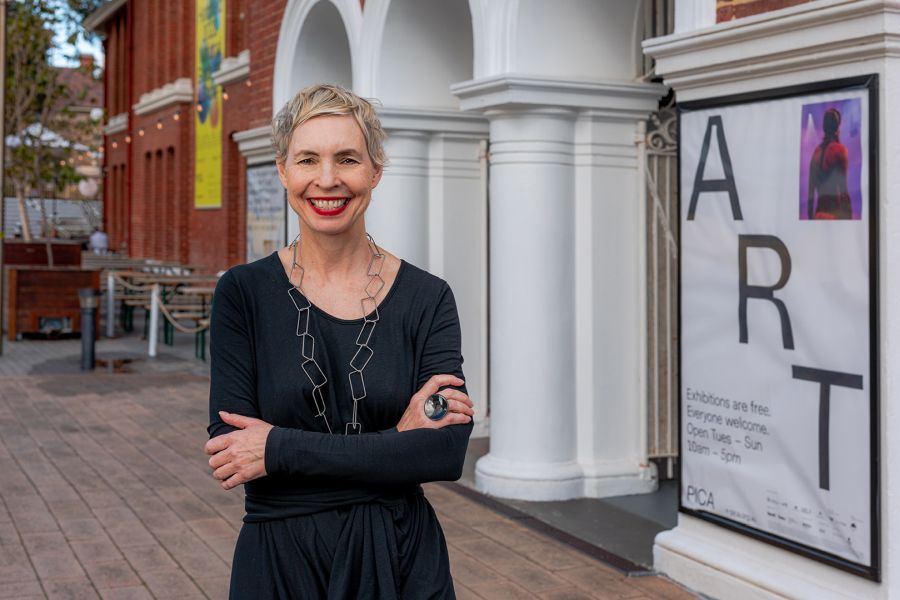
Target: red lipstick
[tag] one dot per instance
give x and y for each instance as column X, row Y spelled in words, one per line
column 328, row 212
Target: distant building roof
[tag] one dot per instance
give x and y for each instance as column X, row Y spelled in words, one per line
column 84, row 90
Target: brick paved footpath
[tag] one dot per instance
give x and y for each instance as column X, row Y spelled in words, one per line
column 106, row 493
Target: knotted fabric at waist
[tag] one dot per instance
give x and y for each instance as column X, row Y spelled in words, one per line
column 278, row 497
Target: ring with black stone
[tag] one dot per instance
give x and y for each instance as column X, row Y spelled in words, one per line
column 436, row 407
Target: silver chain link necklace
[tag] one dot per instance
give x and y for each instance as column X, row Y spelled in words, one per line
column 363, row 353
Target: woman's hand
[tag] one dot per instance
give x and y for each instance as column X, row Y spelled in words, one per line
column 460, row 409
column 239, row 456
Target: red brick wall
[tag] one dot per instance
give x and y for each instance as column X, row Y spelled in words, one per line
column 727, row 10
column 263, row 27
column 162, row 186
column 149, row 191
column 234, row 185
column 117, row 99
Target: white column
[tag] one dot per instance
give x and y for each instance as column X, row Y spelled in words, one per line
column 398, row 215
column 860, row 38
column 532, row 356
column 430, row 209
column 565, row 229
column 458, row 246
column 610, row 235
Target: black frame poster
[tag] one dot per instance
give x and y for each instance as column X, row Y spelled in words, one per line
column 778, row 320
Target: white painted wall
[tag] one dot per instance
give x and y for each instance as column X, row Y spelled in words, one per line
column 694, row 14
column 398, row 215
column 425, row 47
column 591, row 39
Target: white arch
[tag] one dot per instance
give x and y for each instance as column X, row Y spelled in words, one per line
column 493, row 35
column 396, row 58
column 295, row 15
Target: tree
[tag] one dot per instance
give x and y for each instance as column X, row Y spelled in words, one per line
column 37, row 119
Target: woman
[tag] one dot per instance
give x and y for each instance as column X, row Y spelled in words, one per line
column 828, row 174
column 327, row 359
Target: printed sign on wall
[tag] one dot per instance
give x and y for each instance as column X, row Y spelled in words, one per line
column 266, row 212
column 210, row 48
column 778, row 337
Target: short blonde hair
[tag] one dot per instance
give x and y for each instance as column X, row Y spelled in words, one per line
column 326, row 99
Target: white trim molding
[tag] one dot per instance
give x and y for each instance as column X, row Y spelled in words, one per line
column 255, row 144
column 116, row 124
column 437, row 121
column 180, row 90
column 724, row 564
column 233, row 68
column 783, row 46
column 630, row 100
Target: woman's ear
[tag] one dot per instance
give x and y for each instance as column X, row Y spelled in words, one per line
column 377, row 176
column 281, row 173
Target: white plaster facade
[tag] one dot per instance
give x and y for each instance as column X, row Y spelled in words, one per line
column 546, row 261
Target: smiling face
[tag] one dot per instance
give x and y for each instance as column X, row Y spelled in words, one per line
column 328, row 175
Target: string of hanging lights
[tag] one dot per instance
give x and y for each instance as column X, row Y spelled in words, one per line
column 127, row 137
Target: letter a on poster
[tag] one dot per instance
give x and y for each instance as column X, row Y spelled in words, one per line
column 210, row 48
column 778, row 394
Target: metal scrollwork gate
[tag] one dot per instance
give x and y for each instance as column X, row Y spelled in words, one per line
column 662, row 288
column 659, row 148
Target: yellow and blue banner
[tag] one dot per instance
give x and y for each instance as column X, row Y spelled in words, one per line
column 210, row 47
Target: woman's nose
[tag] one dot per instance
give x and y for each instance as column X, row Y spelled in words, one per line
column 327, row 176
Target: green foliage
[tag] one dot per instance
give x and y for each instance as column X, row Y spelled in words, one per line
column 73, row 13
column 36, row 104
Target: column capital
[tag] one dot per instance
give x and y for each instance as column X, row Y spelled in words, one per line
column 818, row 40
column 432, row 121
column 615, row 99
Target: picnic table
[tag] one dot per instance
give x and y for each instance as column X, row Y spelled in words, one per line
column 177, row 297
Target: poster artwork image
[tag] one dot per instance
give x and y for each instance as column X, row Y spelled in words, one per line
column 776, row 322
column 831, row 160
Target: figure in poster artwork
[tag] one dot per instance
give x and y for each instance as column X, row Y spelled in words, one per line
column 827, row 196
column 831, row 161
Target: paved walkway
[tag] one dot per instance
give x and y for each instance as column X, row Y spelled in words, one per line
column 106, row 493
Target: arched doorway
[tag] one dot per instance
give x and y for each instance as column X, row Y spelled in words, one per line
column 431, row 207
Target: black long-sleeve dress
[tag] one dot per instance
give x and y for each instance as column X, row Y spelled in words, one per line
column 338, row 516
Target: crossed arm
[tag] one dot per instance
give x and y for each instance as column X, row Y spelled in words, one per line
column 248, row 452
column 244, row 447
